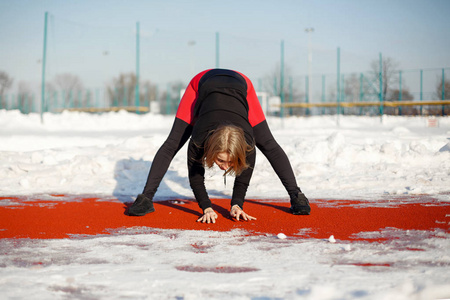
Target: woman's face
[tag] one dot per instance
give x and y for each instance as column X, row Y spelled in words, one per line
column 223, row 161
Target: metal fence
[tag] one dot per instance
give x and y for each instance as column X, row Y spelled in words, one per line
column 353, row 93
column 102, row 69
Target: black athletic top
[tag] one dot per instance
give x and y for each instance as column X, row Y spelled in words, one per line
column 213, row 98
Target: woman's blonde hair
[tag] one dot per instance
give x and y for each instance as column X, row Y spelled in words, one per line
column 229, row 139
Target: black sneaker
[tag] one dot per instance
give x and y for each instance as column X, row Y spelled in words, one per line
column 300, row 205
column 142, row 206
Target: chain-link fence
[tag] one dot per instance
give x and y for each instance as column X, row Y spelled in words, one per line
column 138, row 69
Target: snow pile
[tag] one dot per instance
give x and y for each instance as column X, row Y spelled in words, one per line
column 141, row 263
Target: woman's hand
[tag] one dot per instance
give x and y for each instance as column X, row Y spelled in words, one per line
column 209, row 216
column 237, row 212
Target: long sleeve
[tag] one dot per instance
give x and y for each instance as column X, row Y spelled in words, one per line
column 178, row 136
column 242, row 181
column 197, row 176
column 276, row 156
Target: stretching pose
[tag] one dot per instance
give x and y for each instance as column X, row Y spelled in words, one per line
column 222, row 116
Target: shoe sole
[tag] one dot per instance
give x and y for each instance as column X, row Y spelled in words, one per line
column 300, row 212
column 141, row 214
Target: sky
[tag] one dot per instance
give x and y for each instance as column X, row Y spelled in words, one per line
column 96, row 40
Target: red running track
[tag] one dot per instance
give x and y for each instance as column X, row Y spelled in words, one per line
column 64, row 217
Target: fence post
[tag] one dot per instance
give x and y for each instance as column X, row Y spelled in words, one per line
column 323, row 93
column 291, row 97
column 421, row 91
column 217, row 49
column 125, row 96
column 307, row 93
column 282, row 79
column 400, row 91
column 443, row 90
column 44, row 57
column 381, row 88
column 361, row 91
column 338, row 86
column 342, row 96
column 136, row 92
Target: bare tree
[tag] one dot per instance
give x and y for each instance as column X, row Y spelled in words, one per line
column 5, row 83
column 68, row 82
column 123, row 89
column 272, row 82
column 68, row 87
column 24, row 97
column 353, row 92
column 443, row 94
column 171, row 97
column 389, row 74
column 406, row 95
column 394, row 95
column 352, row 88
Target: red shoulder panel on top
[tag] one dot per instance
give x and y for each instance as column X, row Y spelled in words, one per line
column 255, row 112
column 185, row 110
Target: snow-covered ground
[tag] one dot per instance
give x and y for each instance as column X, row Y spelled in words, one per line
column 363, row 158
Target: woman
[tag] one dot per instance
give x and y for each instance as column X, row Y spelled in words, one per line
column 222, row 115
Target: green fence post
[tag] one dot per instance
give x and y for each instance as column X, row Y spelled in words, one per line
column 361, row 91
column 116, row 98
column 342, row 97
column 136, row 93
column 381, row 88
column 282, row 79
column 421, row 91
column 443, row 90
column 307, row 93
column 338, row 85
column 291, row 97
column 44, row 57
column 125, row 97
column 323, row 93
column 400, row 91
column 217, row 49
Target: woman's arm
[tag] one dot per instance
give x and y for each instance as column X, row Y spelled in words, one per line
column 197, row 176
column 242, row 181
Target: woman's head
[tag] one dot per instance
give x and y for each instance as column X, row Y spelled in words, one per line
column 226, row 146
